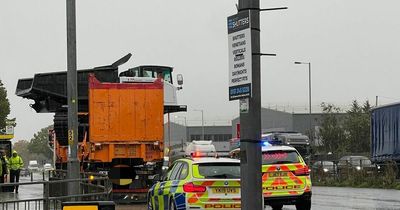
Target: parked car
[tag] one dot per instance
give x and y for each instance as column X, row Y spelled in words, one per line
column 327, row 167
column 358, row 163
column 47, row 167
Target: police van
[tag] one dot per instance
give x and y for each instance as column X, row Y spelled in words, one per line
column 200, row 148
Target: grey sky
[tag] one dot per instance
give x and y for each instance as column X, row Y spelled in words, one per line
column 352, row 45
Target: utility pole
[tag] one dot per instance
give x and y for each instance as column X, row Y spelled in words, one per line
column 309, row 100
column 309, row 104
column 250, row 121
column 202, row 122
column 73, row 163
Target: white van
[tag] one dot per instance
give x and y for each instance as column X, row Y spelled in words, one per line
column 33, row 166
column 200, row 148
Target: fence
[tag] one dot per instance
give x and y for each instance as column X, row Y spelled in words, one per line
column 92, row 187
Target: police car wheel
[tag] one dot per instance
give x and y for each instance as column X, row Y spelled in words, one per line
column 172, row 205
column 303, row 205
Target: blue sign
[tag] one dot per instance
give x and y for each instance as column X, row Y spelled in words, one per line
column 240, row 91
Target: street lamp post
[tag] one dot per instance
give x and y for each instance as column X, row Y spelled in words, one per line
column 202, row 122
column 309, row 97
column 185, row 130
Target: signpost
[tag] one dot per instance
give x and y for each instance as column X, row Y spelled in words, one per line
column 245, row 84
column 72, row 90
column 240, row 55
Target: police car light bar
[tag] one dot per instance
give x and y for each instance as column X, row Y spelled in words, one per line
column 204, row 154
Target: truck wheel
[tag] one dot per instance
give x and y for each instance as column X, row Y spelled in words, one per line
column 304, row 205
column 277, row 207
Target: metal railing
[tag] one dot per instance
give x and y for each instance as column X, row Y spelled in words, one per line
column 353, row 170
column 93, row 187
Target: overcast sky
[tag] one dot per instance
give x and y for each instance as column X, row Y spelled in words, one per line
column 353, row 47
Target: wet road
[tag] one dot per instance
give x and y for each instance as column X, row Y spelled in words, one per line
column 327, row 198
column 324, row 198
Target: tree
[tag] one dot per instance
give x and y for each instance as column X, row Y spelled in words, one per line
column 4, row 106
column 357, row 125
column 22, row 147
column 331, row 132
column 39, row 144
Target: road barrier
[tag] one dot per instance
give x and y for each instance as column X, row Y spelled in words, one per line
column 93, row 187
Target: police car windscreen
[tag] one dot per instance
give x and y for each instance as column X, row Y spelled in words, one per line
column 280, row 157
column 219, row 170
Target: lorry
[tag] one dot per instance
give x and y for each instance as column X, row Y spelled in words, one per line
column 290, row 138
column 385, row 134
column 120, row 117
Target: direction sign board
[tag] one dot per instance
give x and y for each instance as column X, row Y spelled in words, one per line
column 240, row 55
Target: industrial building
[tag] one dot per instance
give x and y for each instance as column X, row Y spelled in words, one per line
column 271, row 120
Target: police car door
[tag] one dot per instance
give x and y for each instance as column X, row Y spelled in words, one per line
column 162, row 197
column 176, row 188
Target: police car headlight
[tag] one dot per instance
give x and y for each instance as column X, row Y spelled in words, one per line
column 326, row 170
column 358, row 168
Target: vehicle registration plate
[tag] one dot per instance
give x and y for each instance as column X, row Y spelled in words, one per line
column 277, row 174
column 225, row 190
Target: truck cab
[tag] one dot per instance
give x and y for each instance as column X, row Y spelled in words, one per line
column 149, row 73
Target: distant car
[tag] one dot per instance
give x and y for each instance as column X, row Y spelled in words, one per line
column 47, row 167
column 200, row 148
column 33, row 166
column 24, row 172
column 327, row 167
column 358, row 163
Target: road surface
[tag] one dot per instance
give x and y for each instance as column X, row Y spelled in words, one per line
column 324, row 198
column 327, row 198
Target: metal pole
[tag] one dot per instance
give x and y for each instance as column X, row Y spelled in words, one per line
column 202, row 124
column 309, row 103
column 54, row 149
column 185, row 134
column 250, row 122
column 169, row 132
column 73, row 164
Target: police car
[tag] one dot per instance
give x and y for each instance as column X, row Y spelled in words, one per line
column 285, row 177
column 198, row 183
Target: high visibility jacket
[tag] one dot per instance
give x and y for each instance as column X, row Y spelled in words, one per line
column 15, row 163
